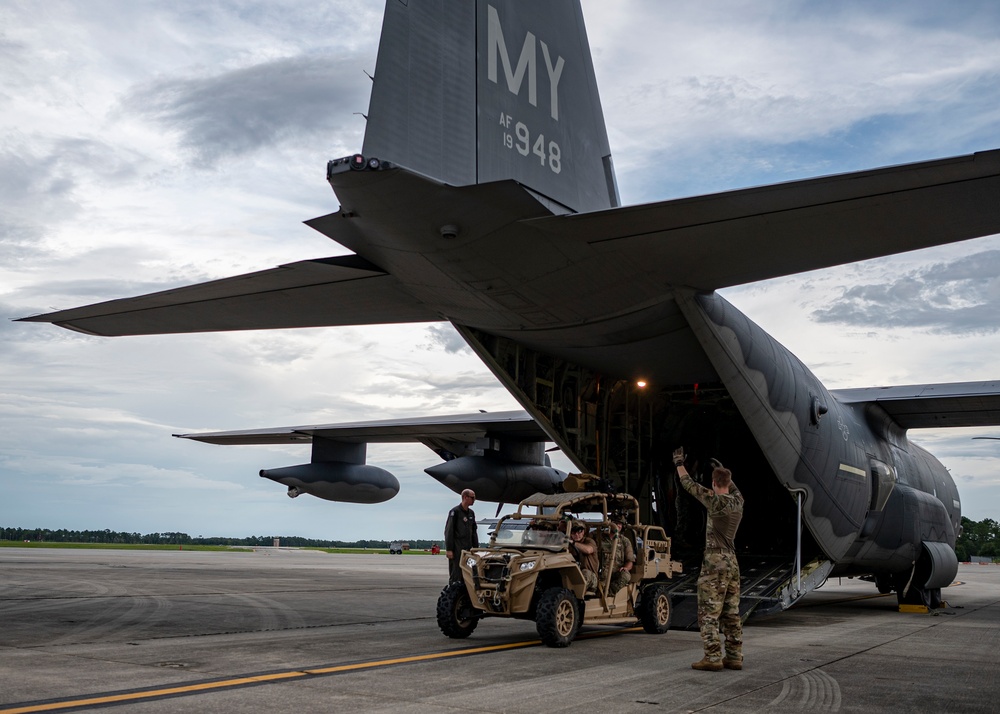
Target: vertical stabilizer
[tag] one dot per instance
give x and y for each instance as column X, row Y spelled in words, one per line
column 474, row 92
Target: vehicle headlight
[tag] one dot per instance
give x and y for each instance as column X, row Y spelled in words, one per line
column 527, row 566
column 471, row 562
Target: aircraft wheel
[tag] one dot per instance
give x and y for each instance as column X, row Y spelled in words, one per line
column 455, row 615
column 654, row 609
column 934, row 598
column 557, row 617
column 883, row 585
column 913, row 596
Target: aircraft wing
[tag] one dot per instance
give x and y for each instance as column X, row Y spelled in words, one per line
column 737, row 237
column 343, row 290
column 921, row 406
column 463, row 428
column 516, row 467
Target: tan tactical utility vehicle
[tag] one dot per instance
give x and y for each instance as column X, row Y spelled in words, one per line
column 529, row 571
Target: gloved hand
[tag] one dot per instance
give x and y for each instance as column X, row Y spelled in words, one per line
column 716, row 464
column 679, row 456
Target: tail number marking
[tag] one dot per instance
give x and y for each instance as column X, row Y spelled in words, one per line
column 521, row 141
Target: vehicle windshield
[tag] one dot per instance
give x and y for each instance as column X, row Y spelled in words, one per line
column 515, row 533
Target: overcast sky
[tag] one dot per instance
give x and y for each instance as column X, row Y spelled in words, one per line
column 145, row 145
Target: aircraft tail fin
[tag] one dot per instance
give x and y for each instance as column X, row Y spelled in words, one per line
column 492, row 90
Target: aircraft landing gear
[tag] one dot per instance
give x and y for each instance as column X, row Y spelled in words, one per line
column 913, row 595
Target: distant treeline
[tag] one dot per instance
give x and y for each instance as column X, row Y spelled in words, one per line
column 108, row 536
column 980, row 538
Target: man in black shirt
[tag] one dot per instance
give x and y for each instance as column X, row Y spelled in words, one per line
column 460, row 533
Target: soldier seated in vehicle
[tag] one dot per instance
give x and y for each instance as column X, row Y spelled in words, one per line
column 584, row 549
column 617, row 555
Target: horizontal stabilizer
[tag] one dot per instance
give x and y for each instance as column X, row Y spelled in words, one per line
column 919, row 406
column 343, row 290
column 737, row 237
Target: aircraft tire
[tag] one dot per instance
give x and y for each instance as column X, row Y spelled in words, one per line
column 455, row 615
column 934, row 597
column 557, row 618
column 654, row 609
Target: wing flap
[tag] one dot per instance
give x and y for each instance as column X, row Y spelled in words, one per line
column 466, row 428
column 921, row 406
column 725, row 239
column 342, row 290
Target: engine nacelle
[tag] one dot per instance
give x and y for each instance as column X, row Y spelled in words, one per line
column 336, row 481
column 495, row 479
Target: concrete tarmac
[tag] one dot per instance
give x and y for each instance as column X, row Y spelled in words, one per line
column 300, row 631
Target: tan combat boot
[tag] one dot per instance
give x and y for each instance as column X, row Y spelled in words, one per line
column 707, row 665
column 732, row 663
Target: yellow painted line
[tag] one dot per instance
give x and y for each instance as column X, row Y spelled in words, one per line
column 417, row 658
column 151, row 694
column 98, row 700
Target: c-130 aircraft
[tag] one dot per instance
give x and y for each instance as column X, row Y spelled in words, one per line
column 485, row 196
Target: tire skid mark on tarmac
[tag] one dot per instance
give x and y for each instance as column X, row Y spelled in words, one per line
column 99, row 622
column 142, row 611
column 814, row 690
column 273, row 615
column 95, row 588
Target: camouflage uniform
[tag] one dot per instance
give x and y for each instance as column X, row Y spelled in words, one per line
column 690, row 522
column 623, row 553
column 588, row 563
column 459, row 534
column 719, row 581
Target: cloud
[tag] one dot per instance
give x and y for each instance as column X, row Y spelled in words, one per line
column 445, row 336
column 952, row 298
column 243, row 110
column 708, row 98
column 40, row 180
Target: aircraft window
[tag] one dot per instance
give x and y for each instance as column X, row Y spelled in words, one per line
column 883, row 481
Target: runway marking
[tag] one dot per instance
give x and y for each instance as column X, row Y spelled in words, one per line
column 252, row 680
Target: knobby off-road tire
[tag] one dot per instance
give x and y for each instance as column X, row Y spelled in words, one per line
column 654, row 609
column 557, row 617
column 455, row 615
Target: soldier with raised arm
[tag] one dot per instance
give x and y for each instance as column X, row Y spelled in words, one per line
column 719, row 580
